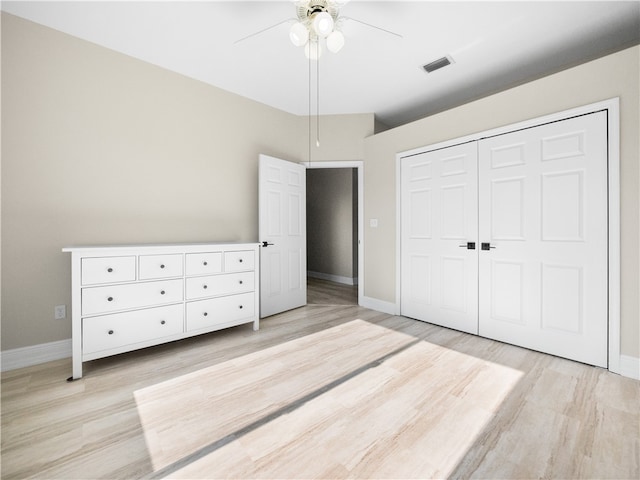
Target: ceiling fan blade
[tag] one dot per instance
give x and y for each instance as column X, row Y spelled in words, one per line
column 373, row 26
column 263, row 30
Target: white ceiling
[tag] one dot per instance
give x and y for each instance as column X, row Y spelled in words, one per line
column 495, row 45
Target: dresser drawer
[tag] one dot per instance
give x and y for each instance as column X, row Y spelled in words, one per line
column 217, row 311
column 216, row 285
column 112, row 298
column 96, row 270
column 119, row 329
column 238, row 261
column 159, row 266
column 203, row 263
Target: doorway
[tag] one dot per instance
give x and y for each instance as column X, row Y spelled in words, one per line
column 334, row 231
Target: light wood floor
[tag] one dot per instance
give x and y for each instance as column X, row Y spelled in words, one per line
column 322, row 392
column 323, row 292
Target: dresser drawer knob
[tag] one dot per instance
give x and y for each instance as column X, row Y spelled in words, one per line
column 240, row 282
column 162, row 266
column 109, row 269
column 205, row 314
column 205, row 263
column 162, row 322
column 161, row 292
column 241, row 307
column 110, row 332
column 109, row 299
column 204, row 286
column 240, row 260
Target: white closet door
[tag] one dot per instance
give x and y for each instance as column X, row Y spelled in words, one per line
column 439, row 281
column 543, row 210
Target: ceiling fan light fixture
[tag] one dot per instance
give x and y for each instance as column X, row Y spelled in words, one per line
column 299, row 34
column 335, row 41
column 323, row 24
column 318, row 21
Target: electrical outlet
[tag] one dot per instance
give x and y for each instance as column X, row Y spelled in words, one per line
column 60, row 312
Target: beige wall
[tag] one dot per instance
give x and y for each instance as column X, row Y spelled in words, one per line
column 102, row 148
column 340, row 137
column 616, row 75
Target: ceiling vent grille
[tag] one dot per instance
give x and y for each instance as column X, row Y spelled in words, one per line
column 437, row 64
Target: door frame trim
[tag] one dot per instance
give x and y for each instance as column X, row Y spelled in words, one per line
column 359, row 166
column 612, row 106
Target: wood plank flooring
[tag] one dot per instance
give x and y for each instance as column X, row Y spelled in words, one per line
column 323, row 292
column 324, row 391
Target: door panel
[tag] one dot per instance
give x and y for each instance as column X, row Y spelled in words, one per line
column 453, row 281
column 439, row 281
column 507, row 291
column 563, row 206
column 543, row 284
column 507, row 205
column 282, row 216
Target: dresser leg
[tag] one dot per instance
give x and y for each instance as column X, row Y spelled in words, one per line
column 77, row 368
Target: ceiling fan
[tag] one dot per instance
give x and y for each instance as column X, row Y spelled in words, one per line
column 317, row 21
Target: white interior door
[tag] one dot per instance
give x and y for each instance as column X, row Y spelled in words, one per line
column 439, row 256
column 543, row 210
column 283, row 229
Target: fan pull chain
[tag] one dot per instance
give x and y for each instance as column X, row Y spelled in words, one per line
column 318, row 93
column 309, row 116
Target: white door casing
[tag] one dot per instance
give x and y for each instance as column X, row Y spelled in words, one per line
column 282, row 225
column 543, row 209
column 359, row 166
column 439, row 237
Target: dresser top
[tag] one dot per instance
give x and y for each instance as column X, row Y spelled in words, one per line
column 161, row 247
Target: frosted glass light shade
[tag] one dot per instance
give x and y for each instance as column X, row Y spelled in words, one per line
column 313, row 50
column 299, row 34
column 335, row 41
column 323, row 24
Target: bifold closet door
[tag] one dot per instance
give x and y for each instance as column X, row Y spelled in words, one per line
column 543, row 213
column 439, row 257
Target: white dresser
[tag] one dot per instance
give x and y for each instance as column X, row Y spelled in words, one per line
column 130, row 297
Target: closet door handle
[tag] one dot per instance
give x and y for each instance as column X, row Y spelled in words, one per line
column 469, row 246
column 486, row 246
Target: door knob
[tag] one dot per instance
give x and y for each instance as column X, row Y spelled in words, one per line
column 266, row 244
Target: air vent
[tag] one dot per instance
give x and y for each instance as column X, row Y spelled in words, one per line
column 437, row 64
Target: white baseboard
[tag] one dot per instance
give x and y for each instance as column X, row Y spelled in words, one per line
column 378, row 305
column 630, row 366
column 333, row 278
column 47, row 352
column 34, row 355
